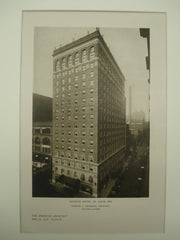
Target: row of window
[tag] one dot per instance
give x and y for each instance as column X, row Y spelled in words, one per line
column 112, row 161
column 42, row 130
column 83, row 133
column 74, row 164
column 68, row 154
column 76, row 117
column 73, row 156
column 76, row 85
column 75, row 70
column 84, row 125
column 78, row 58
column 44, row 141
column 43, row 149
column 110, row 82
column 75, row 174
column 76, row 149
column 107, row 67
column 69, row 101
column 76, row 78
column 69, row 110
column 83, row 141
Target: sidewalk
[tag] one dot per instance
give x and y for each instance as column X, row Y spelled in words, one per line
column 106, row 191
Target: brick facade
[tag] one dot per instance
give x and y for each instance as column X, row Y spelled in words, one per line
column 88, row 111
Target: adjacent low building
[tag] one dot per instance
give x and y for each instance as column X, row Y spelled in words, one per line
column 42, row 130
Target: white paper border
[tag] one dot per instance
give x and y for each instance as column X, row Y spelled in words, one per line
column 126, row 215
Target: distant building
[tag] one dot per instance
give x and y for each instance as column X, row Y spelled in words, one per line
column 138, row 117
column 88, row 112
column 42, row 129
column 137, row 122
column 128, row 139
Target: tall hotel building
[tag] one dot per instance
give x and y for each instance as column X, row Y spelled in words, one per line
column 88, row 112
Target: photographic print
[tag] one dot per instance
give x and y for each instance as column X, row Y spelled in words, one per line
column 91, row 112
column 93, row 122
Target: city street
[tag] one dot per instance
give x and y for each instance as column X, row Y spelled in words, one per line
column 134, row 181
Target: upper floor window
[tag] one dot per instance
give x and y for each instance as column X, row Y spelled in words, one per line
column 37, row 140
column 46, row 141
column 37, row 130
column 70, row 61
column 92, row 74
column 82, row 177
column 90, row 179
column 76, row 58
column 57, row 90
column 91, row 82
column 84, row 56
column 63, row 63
column 57, row 65
column 92, row 52
column 83, row 76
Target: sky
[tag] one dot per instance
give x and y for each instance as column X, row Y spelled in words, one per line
column 126, row 45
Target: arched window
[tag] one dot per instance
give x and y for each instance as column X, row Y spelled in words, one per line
column 92, row 53
column 63, row 63
column 76, row 58
column 46, row 141
column 70, row 61
column 57, row 65
column 37, row 140
column 75, row 174
column 90, row 179
column 82, row 177
column 84, row 56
